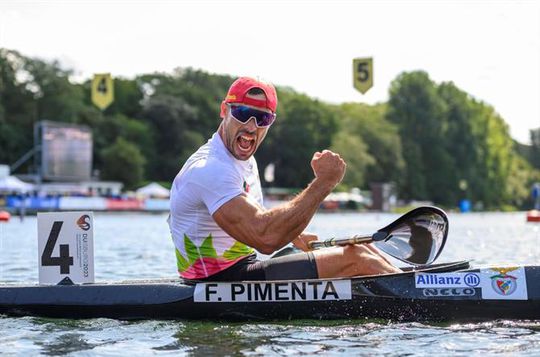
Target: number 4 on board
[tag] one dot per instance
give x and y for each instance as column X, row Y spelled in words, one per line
column 64, row 261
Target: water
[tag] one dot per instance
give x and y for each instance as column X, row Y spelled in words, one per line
column 133, row 246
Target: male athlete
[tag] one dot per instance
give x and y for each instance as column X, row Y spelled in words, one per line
column 536, row 196
column 217, row 216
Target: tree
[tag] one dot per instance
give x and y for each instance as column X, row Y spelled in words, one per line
column 460, row 142
column 127, row 98
column 124, row 162
column 32, row 90
column 354, row 151
column 107, row 128
column 418, row 111
column 380, row 137
column 479, row 142
column 172, row 122
column 55, row 96
column 520, row 180
column 17, row 107
column 429, row 138
column 534, row 157
column 303, row 126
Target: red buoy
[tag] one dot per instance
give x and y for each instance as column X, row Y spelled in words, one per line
column 4, row 216
column 533, row 216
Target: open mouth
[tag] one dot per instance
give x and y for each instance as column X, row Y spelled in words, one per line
column 246, row 143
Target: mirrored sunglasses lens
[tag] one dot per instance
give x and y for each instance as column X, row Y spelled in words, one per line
column 243, row 114
column 266, row 119
column 240, row 113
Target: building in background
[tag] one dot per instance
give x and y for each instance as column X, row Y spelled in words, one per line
column 60, row 176
column 62, row 162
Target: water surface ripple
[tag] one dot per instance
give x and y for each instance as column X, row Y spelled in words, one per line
column 134, row 246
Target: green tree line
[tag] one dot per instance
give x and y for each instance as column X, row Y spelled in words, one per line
column 434, row 141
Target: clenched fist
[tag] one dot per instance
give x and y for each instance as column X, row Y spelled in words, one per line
column 328, row 167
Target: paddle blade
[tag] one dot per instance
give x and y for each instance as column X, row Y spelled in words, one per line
column 418, row 237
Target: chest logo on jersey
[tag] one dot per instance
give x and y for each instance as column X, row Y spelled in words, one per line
column 319, row 290
column 246, row 186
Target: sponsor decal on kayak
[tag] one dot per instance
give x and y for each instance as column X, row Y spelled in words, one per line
column 447, row 280
column 317, row 290
column 495, row 283
column 507, row 283
column 443, row 292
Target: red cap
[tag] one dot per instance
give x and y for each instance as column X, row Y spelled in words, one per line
column 238, row 90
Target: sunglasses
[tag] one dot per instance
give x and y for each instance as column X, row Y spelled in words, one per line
column 243, row 114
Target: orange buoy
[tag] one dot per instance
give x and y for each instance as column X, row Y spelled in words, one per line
column 4, row 216
column 533, row 216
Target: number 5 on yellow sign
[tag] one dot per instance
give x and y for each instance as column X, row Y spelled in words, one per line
column 363, row 74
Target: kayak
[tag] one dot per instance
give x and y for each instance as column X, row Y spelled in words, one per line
column 439, row 292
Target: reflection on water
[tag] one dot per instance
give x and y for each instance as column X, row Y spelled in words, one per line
column 138, row 246
column 109, row 337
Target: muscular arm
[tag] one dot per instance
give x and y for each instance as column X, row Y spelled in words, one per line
column 269, row 230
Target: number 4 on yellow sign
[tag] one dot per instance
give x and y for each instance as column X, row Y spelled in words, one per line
column 102, row 90
column 363, row 74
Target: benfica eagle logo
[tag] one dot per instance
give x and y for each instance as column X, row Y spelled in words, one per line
column 503, row 283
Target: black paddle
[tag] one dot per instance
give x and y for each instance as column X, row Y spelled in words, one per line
column 417, row 237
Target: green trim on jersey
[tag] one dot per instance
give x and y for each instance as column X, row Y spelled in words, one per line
column 181, row 262
column 191, row 250
column 237, row 250
column 207, row 250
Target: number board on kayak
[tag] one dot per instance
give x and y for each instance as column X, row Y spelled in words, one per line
column 506, row 283
column 66, row 247
column 313, row 290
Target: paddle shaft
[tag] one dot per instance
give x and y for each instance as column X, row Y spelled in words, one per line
column 332, row 242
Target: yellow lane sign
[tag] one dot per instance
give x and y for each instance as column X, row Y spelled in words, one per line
column 363, row 74
column 102, row 90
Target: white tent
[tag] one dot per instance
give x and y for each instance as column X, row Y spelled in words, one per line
column 13, row 184
column 153, row 190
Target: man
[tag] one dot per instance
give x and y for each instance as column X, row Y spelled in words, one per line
column 217, row 218
column 536, row 196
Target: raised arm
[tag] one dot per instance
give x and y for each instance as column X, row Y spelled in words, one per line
column 269, row 230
